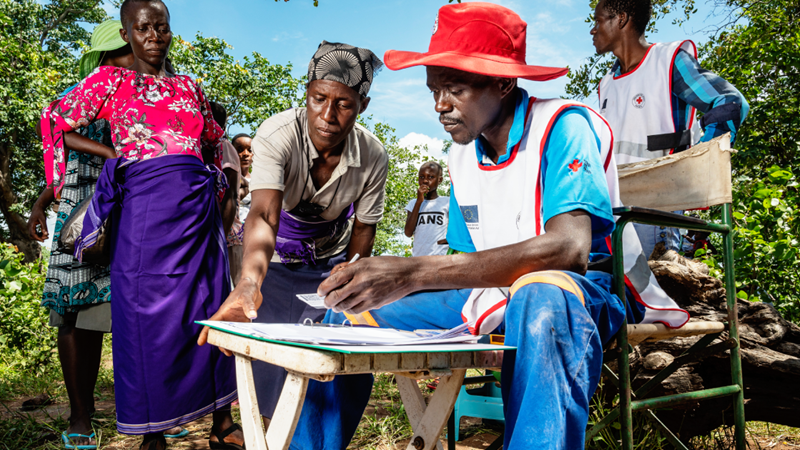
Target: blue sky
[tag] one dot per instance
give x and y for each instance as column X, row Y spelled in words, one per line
column 290, row 32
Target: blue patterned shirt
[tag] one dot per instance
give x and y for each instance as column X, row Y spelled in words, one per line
column 693, row 86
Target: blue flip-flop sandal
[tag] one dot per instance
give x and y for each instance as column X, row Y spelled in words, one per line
column 184, row 432
column 68, row 440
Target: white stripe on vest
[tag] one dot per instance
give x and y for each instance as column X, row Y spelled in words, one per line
column 502, row 205
column 638, row 104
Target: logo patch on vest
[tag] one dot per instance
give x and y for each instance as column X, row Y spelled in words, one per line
column 470, row 214
column 575, row 165
column 638, row 101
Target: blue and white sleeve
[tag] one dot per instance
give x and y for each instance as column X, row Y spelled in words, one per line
column 573, row 173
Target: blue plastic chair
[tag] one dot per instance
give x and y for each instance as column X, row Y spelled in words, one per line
column 484, row 402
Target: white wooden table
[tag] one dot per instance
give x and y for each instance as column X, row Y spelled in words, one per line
column 305, row 364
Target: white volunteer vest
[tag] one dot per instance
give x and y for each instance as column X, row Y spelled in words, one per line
column 638, row 104
column 502, row 205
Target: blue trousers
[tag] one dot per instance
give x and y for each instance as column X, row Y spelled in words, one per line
column 558, row 321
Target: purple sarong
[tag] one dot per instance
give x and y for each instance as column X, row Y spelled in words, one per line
column 169, row 268
column 295, row 239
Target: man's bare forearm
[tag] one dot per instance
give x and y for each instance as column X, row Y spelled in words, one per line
column 260, row 232
column 362, row 240
column 565, row 248
column 375, row 282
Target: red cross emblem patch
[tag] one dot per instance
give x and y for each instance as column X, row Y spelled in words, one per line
column 638, row 101
column 575, row 165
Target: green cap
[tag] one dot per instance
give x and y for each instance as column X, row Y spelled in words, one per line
column 104, row 38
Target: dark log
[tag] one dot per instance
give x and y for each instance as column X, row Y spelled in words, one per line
column 770, row 355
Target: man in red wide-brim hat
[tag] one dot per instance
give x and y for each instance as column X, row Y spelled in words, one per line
column 530, row 195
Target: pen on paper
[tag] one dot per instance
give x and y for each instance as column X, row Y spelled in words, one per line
column 316, row 300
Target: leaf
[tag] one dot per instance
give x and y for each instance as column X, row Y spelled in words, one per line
column 12, row 270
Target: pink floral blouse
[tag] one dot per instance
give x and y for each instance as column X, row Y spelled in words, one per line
column 150, row 116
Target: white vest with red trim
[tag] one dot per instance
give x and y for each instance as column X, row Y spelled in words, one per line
column 502, row 205
column 638, row 104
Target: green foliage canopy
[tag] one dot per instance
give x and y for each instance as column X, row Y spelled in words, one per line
column 761, row 57
column 251, row 90
column 38, row 42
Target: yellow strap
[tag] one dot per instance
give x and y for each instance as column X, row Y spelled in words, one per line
column 554, row 277
column 364, row 318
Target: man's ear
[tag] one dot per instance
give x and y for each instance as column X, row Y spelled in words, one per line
column 623, row 19
column 507, row 86
column 364, row 104
column 123, row 33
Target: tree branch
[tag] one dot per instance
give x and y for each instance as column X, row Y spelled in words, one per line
column 60, row 19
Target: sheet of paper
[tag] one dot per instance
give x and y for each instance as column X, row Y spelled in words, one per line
column 345, row 335
column 313, row 300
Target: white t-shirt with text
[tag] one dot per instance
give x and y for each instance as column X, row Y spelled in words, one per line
column 431, row 226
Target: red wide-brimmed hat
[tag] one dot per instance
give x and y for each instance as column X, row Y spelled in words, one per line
column 480, row 38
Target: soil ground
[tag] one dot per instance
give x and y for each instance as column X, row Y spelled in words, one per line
column 474, row 434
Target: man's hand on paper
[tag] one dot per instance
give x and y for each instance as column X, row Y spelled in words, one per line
column 367, row 284
column 240, row 306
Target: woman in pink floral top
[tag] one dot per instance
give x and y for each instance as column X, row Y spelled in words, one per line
column 150, row 115
column 169, row 259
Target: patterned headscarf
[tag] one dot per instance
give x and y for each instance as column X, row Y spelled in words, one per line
column 352, row 66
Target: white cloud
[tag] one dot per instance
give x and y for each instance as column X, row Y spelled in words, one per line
column 286, row 36
column 432, row 144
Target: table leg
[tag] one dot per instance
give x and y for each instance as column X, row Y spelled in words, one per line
column 433, row 417
column 252, row 427
column 413, row 402
column 287, row 412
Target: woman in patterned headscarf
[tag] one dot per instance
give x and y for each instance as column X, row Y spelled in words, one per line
column 321, row 176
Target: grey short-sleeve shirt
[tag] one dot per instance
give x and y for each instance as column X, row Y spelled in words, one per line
column 282, row 157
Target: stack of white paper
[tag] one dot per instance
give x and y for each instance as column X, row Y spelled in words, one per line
column 325, row 334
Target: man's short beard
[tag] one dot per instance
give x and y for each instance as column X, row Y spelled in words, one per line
column 468, row 140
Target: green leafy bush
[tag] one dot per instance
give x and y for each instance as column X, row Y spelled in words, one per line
column 765, row 240
column 26, row 341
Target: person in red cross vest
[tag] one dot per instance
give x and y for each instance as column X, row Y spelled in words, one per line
column 652, row 92
column 533, row 183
